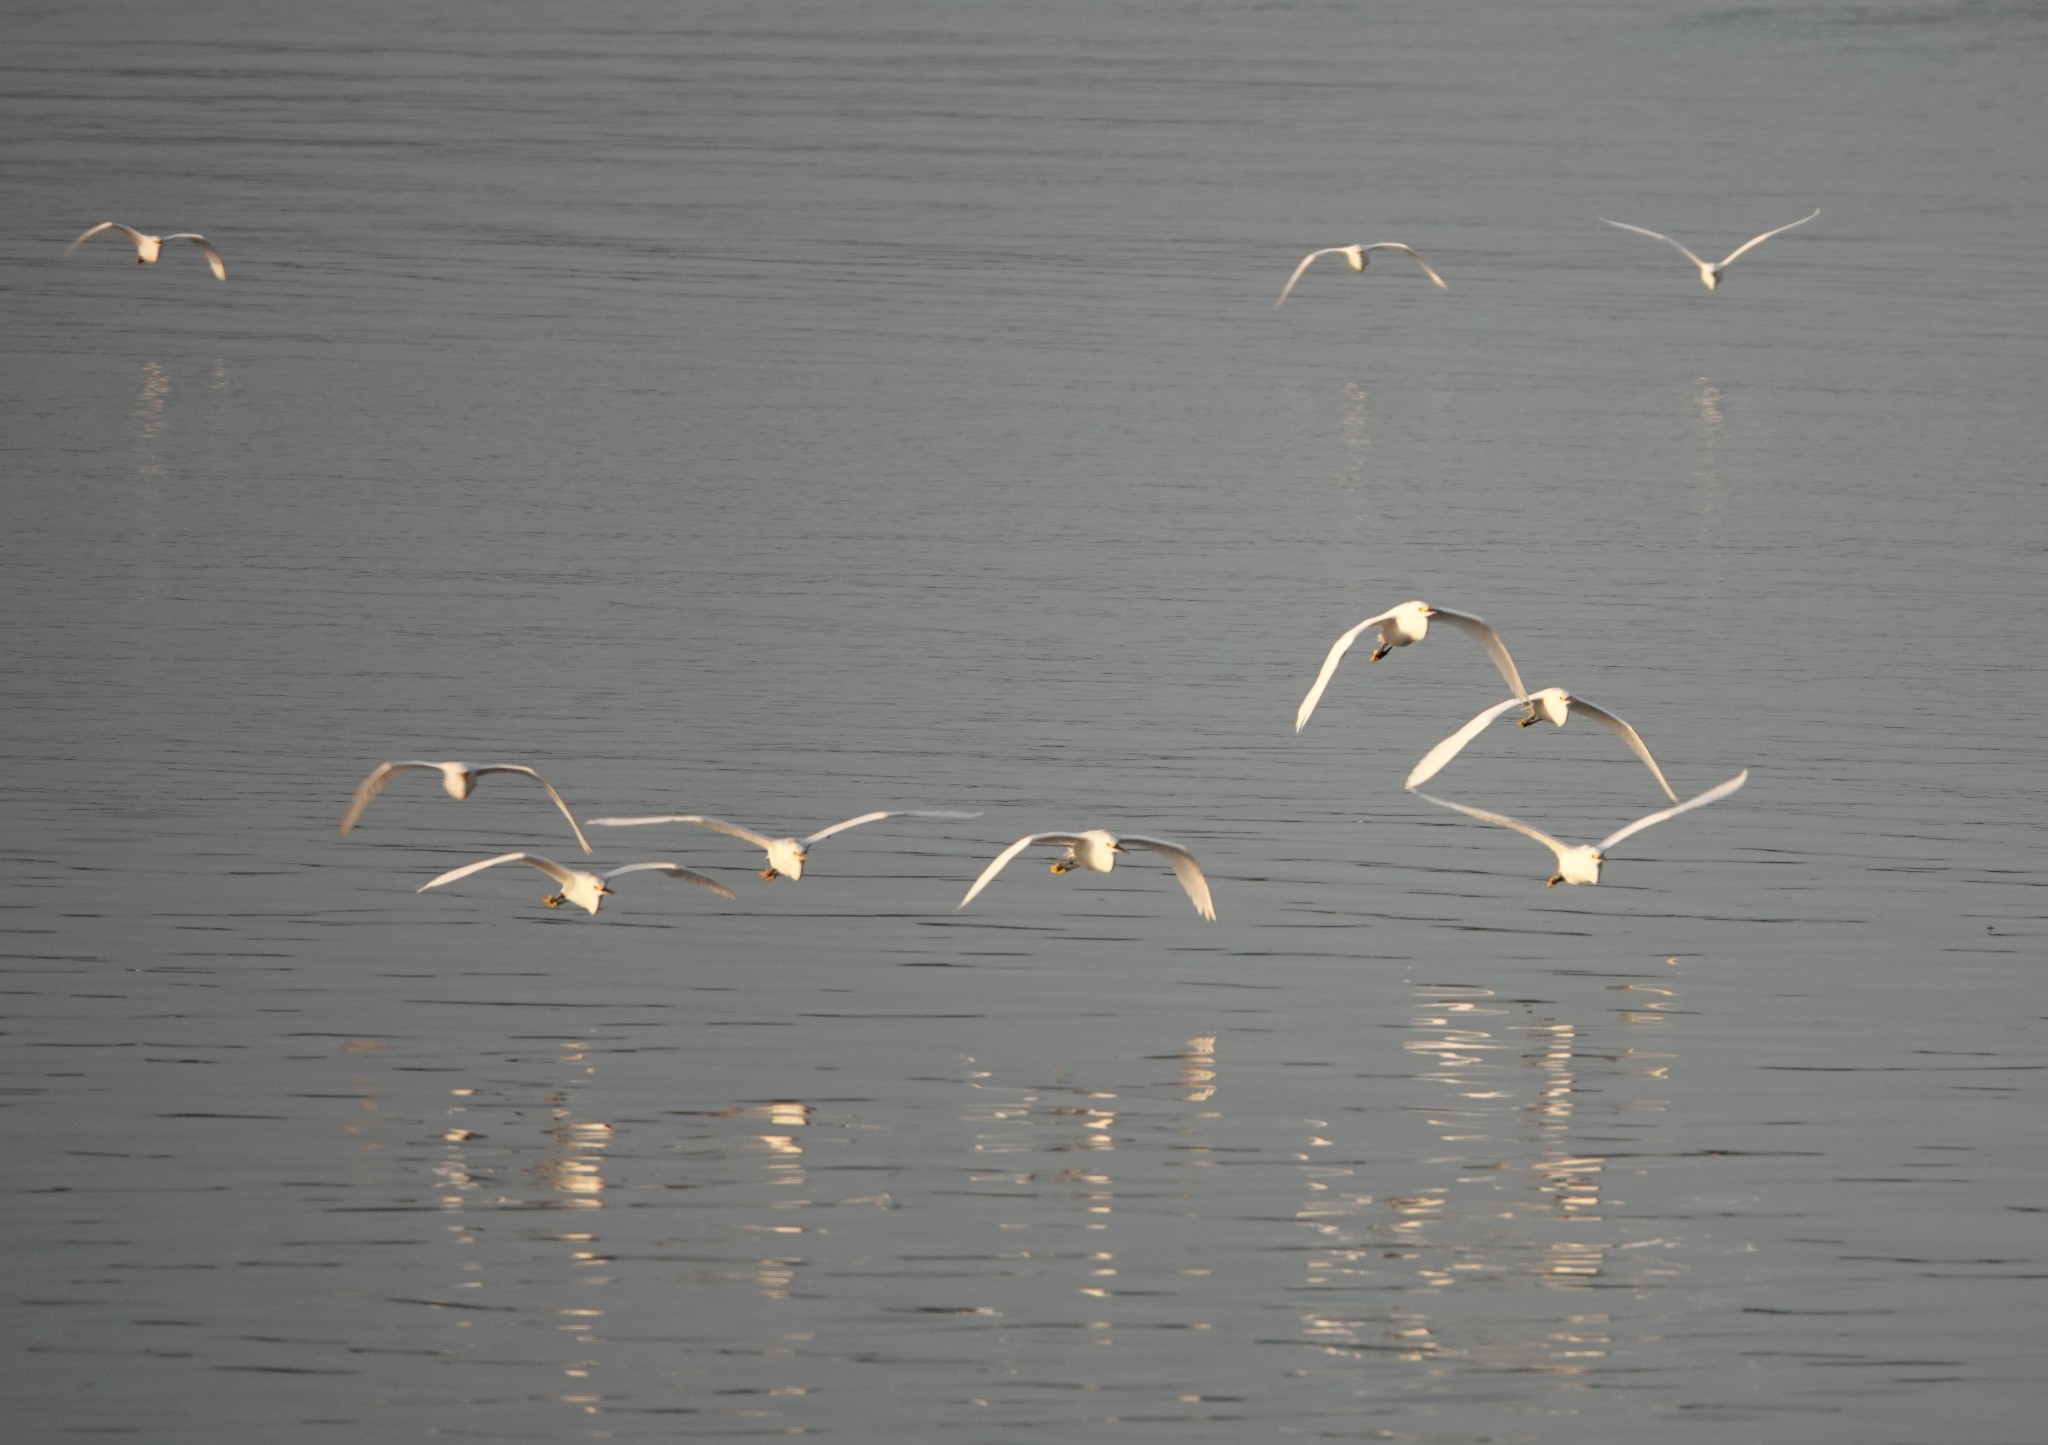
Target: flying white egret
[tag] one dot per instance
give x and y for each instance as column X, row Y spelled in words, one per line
column 458, row 779
column 1550, row 704
column 785, row 855
column 1710, row 271
column 586, row 890
column 1580, row 863
column 1406, row 624
column 1096, row 850
column 1360, row 258
column 148, row 248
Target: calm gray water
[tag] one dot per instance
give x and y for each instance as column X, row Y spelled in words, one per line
column 786, row 412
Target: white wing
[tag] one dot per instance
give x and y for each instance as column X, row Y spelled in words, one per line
column 1306, row 262
column 674, row 870
column 548, row 866
column 1427, row 269
column 822, row 834
column 1660, row 236
column 1436, row 758
column 220, row 267
column 1337, row 650
column 1185, row 868
column 1003, row 858
column 1476, row 629
column 530, row 773
column 371, row 786
column 1560, row 849
column 133, row 235
column 1620, row 728
column 716, row 825
column 1711, row 795
column 1759, row 240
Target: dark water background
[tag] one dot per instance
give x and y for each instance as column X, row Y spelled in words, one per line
column 785, row 412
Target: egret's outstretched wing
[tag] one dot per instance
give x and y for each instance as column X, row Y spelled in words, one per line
column 716, row 825
column 674, row 870
column 548, row 866
column 1434, row 761
column 1620, row 728
column 370, row 787
column 1427, row 269
column 1185, row 868
column 1660, row 236
column 1476, row 629
column 1560, row 849
column 1337, row 650
column 1755, row 241
column 1002, row 859
column 823, row 833
column 132, row 234
column 1711, row 795
column 530, row 773
column 220, row 267
column 1306, row 262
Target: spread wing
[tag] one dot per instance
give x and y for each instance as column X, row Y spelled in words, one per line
column 1427, row 269
column 370, row 787
column 1002, row 859
column 1306, row 262
column 716, row 825
column 1476, row 629
column 1185, row 868
column 674, row 870
column 1660, row 236
column 220, row 267
column 1560, row 849
column 1711, row 795
column 548, row 866
column 1620, row 728
column 822, row 834
column 530, row 773
column 133, row 235
column 1434, row 761
column 1337, row 650
column 1755, row 241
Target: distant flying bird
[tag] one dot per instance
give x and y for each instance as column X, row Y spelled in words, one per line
column 1710, row 271
column 1406, row 624
column 1096, row 850
column 148, row 247
column 459, row 779
column 586, row 890
column 1580, row 863
column 785, row 855
column 1359, row 258
column 1551, row 704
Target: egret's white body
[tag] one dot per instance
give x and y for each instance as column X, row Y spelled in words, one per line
column 1580, row 862
column 148, row 248
column 1406, row 624
column 785, row 855
column 1096, row 850
column 1550, row 704
column 458, row 779
column 1359, row 257
column 586, row 890
column 1710, row 271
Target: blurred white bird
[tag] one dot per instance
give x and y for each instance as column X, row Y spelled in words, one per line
column 1359, row 258
column 1550, row 704
column 1710, row 271
column 785, row 855
column 148, row 247
column 1406, row 624
column 586, row 890
column 459, row 779
column 1580, row 863
column 1096, row 850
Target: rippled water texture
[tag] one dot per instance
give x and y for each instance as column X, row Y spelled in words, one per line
column 786, row 412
